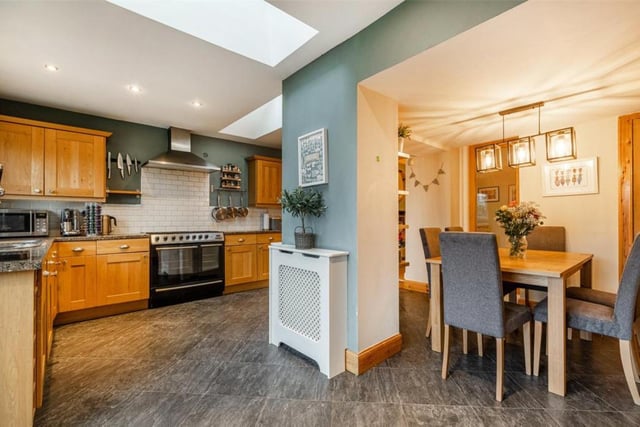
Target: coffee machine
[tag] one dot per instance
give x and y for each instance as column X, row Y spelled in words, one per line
column 70, row 222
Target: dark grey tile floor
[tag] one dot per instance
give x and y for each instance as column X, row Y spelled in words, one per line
column 209, row 363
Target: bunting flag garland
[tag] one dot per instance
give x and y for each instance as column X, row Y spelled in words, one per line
column 434, row 181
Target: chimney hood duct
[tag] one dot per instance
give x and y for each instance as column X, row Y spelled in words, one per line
column 179, row 156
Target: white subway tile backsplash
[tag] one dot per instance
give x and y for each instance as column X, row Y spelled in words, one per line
column 177, row 200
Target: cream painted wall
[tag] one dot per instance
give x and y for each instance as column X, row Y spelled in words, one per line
column 377, row 195
column 436, row 207
column 591, row 220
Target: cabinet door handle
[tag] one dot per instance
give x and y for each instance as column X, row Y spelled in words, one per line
column 78, row 249
column 52, row 191
column 53, row 273
column 270, row 238
column 53, row 262
column 45, row 273
column 125, row 246
column 37, row 190
column 241, row 240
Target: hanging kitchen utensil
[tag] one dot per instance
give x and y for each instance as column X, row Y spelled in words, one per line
column 219, row 213
column 129, row 164
column 231, row 212
column 135, row 164
column 244, row 211
column 109, row 165
column 120, row 165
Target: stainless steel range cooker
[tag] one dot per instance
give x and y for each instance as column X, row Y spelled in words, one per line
column 185, row 266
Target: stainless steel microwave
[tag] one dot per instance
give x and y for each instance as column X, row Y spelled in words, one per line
column 23, row 223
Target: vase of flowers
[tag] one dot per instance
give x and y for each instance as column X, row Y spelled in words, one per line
column 518, row 220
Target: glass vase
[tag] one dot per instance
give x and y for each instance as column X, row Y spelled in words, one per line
column 517, row 246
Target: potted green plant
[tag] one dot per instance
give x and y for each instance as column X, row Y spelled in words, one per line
column 302, row 203
column 404, row 131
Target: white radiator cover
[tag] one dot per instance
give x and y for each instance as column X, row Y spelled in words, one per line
column 308, row 303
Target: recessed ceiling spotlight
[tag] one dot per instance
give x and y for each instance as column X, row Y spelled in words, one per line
column 197, row 104
column 51, row 67
column 134, row 88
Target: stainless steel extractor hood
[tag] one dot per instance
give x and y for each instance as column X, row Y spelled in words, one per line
column 179, row 156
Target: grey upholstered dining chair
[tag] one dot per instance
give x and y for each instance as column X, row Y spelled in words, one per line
column 473, row 296
column 617, row 322
column 431, row 248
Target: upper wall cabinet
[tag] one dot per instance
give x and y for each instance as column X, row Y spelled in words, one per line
column 265, row 181
column 49, row 160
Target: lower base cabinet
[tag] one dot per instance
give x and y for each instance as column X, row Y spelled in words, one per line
column 93, row 274
column 122, row 271
column 247, row 257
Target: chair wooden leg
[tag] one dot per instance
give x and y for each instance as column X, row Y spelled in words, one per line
column 428, row 331
column 526, row 336
column 627, row 365
column 480, row 348
column 634, row 357
column 445, row 353
column 499, row 367
column 537, row 341
column 465, row 341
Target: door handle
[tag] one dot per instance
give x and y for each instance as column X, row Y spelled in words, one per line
column 78, row 249
column 125, row 246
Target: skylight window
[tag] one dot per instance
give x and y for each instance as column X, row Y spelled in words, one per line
column 252, row 28
column 261, row 121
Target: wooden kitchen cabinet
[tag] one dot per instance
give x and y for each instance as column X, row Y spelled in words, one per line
column 53, row 161
column 247, row 257
column 265, row 181
column 123, row 270
column 75, row 164
column 46, row 308
column 22, row 154
column 262, row 251
column 77, row 275
column 240, row 259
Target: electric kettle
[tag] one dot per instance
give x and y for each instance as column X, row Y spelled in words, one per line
column 107, row 228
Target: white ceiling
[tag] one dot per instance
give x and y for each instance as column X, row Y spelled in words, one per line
column 101, row 48
column 582, row 58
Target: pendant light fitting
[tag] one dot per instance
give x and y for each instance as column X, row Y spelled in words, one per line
column 521, row 152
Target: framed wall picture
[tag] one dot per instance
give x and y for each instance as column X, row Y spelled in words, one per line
column 570, row 178
column 492, row 193
column 312, row 158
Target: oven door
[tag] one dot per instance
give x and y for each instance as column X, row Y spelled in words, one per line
column 211, row 261
column 174, row 264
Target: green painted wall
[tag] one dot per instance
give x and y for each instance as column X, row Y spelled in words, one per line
column 323, row 95
column 140, row 140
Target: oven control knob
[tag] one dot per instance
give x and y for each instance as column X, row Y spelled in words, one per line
column 173, row 237
column 157, row 239
column 186, row 237
column 181, row 237
column 165, row 238
column 200, row 236
column 206, row 236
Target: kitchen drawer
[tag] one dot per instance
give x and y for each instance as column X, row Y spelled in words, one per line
column 268, row 238
column 239, row 239
column 76, row 248
column 122, row 246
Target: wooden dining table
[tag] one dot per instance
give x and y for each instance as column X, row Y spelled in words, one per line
column 547, row 269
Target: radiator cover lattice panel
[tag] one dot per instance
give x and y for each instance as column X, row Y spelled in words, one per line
column 299, row 301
